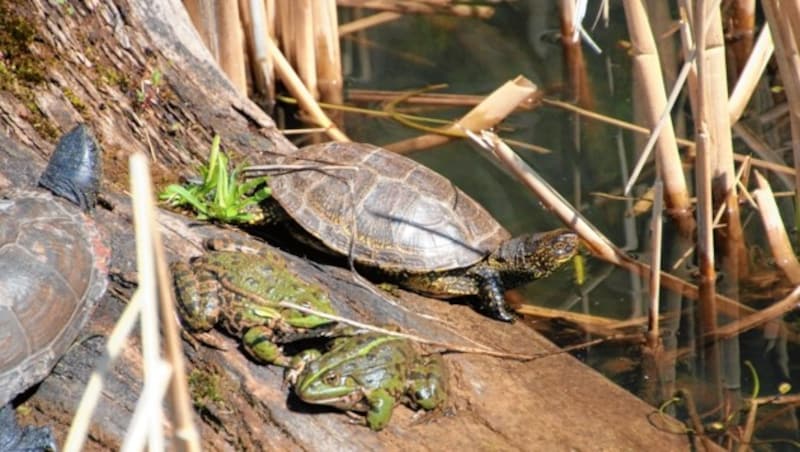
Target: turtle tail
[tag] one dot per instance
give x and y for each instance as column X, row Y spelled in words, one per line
column 75, row 168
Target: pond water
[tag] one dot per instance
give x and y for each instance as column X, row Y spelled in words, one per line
column 475, row 57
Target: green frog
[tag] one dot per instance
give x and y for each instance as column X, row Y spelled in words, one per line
column 240, row 288
column 371, row 373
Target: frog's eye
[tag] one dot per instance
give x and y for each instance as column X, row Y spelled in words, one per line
column 331, row 378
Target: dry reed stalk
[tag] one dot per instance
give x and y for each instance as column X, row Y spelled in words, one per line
column 749, row 428
column 703, row 176
column 367, row 22
column 750, row 74
column 149, row 402
column 759, row 163
column 230, row 39
column 656, row 229
column 786, row 52
column 94, row 387
column 187, row 437
column 704, row 172
column 647, row 69
column 594, row 240
column 719, row 126
column 575, row 65
column 587, row 321
column 429, row 99
column 494, row 108
column 143, row 206
column 764, row 150
column 422, row 7
column 257, row 29
column 761, row 317
column 778, row 240
column 663, row 25
column 299, row 91
column 305, row 52
column 329, row 60
column 742, row 28
column 283, row 30
column 203, row 18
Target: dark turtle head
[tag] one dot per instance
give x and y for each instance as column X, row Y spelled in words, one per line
column 75, row 168
column 533, row 256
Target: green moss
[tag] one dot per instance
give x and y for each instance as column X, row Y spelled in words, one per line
column 21, row 71
column 206, row 388
column 16, row 36
column 74, row 99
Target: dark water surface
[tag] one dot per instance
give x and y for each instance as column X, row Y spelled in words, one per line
column 476, row 57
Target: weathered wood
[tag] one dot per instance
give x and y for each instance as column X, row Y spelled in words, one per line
column 555, row 403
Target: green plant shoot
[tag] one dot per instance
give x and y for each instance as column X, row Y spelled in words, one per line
column 220, row 195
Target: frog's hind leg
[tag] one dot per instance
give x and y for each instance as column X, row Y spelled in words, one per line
column 197, row 295
column 259, row 343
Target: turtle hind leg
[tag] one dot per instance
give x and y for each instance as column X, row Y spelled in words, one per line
column 31, row 439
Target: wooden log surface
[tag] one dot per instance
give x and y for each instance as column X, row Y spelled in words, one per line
column 96, row 57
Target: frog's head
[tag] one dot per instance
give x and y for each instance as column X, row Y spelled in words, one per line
column 327, row 383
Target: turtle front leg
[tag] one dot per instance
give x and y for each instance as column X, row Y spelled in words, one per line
column 491, row 293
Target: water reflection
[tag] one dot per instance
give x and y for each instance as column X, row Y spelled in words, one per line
column 474, row 56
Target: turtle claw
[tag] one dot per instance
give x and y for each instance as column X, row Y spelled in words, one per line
column 502, row 312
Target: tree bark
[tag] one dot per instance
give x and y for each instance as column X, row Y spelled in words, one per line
column 99, row 62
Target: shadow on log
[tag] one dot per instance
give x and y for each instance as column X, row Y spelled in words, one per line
column 97, row 57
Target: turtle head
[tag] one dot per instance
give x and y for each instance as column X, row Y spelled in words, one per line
column 75, row 168
column 534, row 256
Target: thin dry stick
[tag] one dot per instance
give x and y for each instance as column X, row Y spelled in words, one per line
column 422, row 98
column 142, row 197
column 482, row 349
column 94, row 387
column 580, row 318
column 422, row 7
column 299, row 91
column 776, row 234
column 367, row 22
